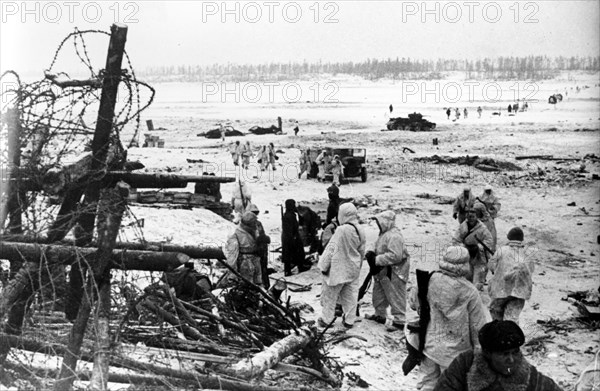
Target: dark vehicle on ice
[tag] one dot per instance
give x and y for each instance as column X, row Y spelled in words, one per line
column 414, row 123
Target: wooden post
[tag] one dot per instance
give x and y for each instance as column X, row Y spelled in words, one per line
column 150, row 125
column 100, row 145
column 279, row 124
column 15, row 198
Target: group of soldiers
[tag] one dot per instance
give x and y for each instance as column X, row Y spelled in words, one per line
column 266, row 156
column 325, row 163
column 456, row 332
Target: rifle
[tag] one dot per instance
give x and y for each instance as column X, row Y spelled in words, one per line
column 242, row 194
column 415, row 354
column 485, row 248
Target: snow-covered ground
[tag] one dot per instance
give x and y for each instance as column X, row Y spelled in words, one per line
column 569, row 129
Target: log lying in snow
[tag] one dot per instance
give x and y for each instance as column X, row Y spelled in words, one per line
column 121, row 259
column 157, row 181
column 196, row 252
column 268, row 358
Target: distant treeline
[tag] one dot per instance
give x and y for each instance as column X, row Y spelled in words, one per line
column 500, row 68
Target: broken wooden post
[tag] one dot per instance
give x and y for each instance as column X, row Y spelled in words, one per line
column 112, row 208
column 100, row 146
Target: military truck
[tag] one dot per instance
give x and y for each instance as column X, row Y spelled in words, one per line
column 414, row 123
column 354, row 161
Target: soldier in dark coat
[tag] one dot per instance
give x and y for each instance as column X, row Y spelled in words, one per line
column 292, row 248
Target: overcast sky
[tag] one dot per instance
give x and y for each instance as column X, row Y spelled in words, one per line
column 187, row 32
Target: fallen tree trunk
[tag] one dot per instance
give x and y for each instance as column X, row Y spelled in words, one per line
column 157, row 181
column 120, row 259
column 178, row 378
column 268, row 358
column 196, row 252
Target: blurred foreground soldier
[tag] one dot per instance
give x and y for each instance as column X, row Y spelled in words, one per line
column 240, row 199
column 491, row 201
column 337, row 170
column 456, row 314
column 292, row 248
column 463, row 202
column 340, row 265
column 498, row 366
column 512, row 267
column 391, row 256
column 478, row 241
column 241, row 250
column 262, row 246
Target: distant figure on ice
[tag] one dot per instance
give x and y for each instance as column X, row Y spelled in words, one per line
column 323, row 162
column 272, row 156
column 509, row 109
column 296, row 129
column 263, row 158
column 465, row 113
column 222, row 131
column 246, row 155
column 457, row 113
column 479, row 110
column 391, row 109
column 337, row 170
column 304, row 163
column 235, row 150
column 448, row 112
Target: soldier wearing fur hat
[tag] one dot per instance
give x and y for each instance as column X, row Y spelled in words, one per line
column 499, row 365
column 457, row 313
column 262, row 246
column 512, row 267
